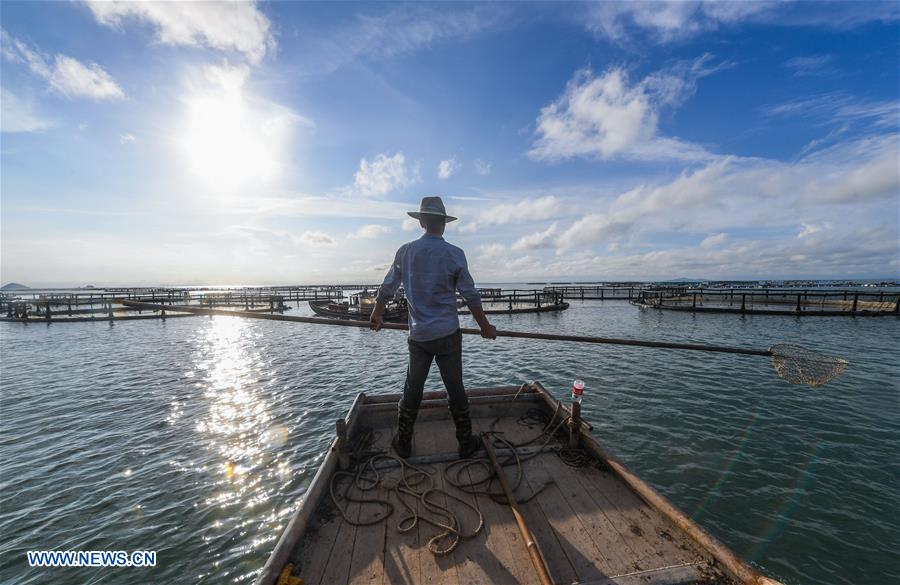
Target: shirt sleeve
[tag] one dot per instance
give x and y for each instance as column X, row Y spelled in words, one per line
column 391, row 281
column 466, row 285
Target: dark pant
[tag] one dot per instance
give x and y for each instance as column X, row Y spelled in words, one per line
column 447, row 351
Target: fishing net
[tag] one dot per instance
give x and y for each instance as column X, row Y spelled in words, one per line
column 798, row 365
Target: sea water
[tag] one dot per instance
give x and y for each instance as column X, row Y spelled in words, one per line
column 197, row 437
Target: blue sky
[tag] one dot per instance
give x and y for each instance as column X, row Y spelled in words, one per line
column 263, row 143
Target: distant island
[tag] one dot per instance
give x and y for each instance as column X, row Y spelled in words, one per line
column 15, row 286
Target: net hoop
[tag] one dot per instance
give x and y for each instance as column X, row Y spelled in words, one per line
column 798, row 365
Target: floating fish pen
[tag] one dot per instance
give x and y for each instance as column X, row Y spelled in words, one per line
column 107, row 304
column 597, row 293
column 793, row 302
column 514, row 302
column 543, row 503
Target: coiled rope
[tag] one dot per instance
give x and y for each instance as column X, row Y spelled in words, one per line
column 416, row 485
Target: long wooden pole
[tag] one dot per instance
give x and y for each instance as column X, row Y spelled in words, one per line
column 467, row 331
column 537, row 559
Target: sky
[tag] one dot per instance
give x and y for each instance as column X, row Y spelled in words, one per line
column 283, row 143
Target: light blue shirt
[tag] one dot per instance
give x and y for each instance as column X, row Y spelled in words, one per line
column 431, row 271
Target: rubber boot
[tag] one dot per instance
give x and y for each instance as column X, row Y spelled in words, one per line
column 402, row 443
column 468, row 444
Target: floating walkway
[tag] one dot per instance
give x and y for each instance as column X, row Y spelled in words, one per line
column 516, row 302
column 786, row 302
column 107, row 304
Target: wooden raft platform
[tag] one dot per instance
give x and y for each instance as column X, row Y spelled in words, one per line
column 590, row 522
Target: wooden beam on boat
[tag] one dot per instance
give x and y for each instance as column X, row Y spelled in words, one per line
column 442, row 403
column 534, row 551
column 731, row 563
column 440, row 394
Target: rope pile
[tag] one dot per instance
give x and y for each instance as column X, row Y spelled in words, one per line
column 416, row 484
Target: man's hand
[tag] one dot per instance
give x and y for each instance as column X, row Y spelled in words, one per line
column 375, row 320
column 488, row 331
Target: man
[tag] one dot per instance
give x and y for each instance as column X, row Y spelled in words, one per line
column 432, row 271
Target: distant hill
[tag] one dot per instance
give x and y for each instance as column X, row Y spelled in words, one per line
column 14, row 286
column 682, row 280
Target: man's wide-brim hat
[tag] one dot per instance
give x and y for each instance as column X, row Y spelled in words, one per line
column 431, row 206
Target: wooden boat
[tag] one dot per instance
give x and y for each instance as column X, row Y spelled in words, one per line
column 396, row 312
column 596, row 523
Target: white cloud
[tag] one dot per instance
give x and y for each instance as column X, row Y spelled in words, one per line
column 839, row 107
column 384, row 174
column 369, row 232
column 229, row 26
column 526, row 210
column 410, row 225
column 316, row 239
column 483, row 168
column 397, row 31
column 810, row 66
column 66, row 75
column 447, row 168
column 746, row 192
column 714, row 241
column 808, row 229
column 537, row 240
column 606, row 116
column 667, row 21
column 628, row 23
column 127, row 138
column 18, row 115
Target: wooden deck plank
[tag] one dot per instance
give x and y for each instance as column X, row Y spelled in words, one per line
column 647, row 533
column 618, row 556
column 502, row 541
column 589, row 561
column 337, row 568
column 478, row 562
column 367, row 560
column 316, row 546
column 434, row 569
column 565, row 562
column 646, row 539
column 401, row 550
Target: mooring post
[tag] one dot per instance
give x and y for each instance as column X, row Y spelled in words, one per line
column 743, row 303
column 798, row 303
column 897, row 305
column 575, row 422
column 855, row 302
column 694, row 302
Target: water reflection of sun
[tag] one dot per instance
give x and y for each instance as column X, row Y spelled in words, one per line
column 238, row 425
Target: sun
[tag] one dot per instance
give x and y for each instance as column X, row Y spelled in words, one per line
column 231, row 140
